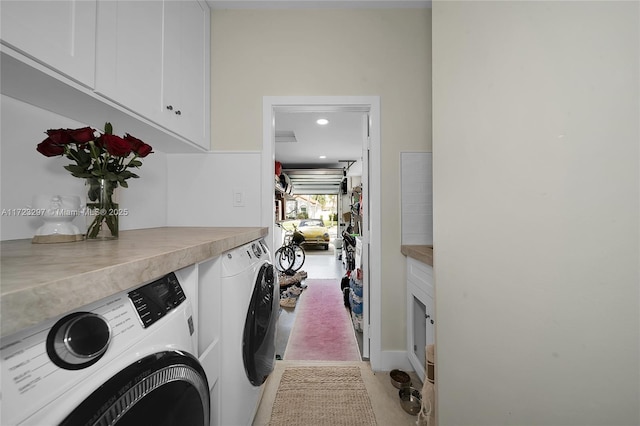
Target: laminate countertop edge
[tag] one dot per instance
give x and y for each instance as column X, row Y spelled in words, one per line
column 423, row 253
column 42, row 281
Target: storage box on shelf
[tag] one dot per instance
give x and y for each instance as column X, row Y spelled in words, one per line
column 355, row 299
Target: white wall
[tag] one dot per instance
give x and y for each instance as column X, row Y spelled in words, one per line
column 202, row 189
column 536, row 220
column 25, row 173
column 386, row 53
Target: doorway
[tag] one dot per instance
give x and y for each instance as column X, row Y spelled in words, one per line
column 371, row 181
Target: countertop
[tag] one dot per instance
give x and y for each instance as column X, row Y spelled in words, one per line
column 422, row 253
column 41, row 281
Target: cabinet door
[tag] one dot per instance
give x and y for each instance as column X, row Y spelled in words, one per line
column 129, row 55
column 186, row 69
column 420, row 327
column 58, row 34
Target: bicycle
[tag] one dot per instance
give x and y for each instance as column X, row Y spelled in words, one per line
column 290, row 257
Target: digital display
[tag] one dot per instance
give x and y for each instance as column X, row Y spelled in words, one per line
column 161, row 291
column 154, row 300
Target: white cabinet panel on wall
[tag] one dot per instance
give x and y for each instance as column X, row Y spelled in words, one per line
column 417, row 197
column 420, row 313
column 153, row 58
column 202, row 189
column 58, row 34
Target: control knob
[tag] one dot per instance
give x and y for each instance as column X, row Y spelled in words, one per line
column 256, row 250
column 78, row 340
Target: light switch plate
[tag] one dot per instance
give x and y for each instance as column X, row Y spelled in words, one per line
column 238, row 198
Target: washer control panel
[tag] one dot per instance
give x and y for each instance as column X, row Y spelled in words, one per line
column 55, row 358
column 155, row 299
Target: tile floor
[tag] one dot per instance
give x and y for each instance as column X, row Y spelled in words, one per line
column 323, row 264
column 384, row 397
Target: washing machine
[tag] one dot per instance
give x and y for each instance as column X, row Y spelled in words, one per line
column 127, row 360
column 249, row 320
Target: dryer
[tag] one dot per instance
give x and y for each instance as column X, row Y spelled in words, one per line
column 126, row 359
column 249, row 321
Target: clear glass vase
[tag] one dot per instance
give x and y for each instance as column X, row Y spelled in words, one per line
column 102, row 210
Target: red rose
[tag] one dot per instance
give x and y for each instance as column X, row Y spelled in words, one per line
column 137, row 146
column 59, row 136
column 115, row 145
column 49, row 149
column 144, row 150
column 81, row 136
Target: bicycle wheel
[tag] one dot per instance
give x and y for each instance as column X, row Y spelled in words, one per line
column 298, row 257
column 284, row 258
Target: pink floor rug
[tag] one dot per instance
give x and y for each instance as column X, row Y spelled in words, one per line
column 322, row 330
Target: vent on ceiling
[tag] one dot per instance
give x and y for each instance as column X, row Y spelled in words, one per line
column 285, row 136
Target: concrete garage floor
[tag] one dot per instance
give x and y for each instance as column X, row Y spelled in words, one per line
column 319, row 264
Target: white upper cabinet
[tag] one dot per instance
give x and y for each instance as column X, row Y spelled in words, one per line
column 57, row 34
column 186, row 69
column 129, row 55
column 153, row 58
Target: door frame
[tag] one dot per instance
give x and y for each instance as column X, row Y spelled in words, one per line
column 333, row 104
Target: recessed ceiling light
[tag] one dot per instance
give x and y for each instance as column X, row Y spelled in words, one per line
column 323, row 156
column 322, row 121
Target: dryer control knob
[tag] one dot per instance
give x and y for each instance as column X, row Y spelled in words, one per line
column 256, row 250
column 78, row 340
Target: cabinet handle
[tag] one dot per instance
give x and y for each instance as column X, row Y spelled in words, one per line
column 178, row 112
column 431, row 321
column 427, row 316
column 170, row 107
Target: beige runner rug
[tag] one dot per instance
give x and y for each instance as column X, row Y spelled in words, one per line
column 334, row 396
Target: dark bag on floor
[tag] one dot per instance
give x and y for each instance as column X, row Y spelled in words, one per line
column 344, row 286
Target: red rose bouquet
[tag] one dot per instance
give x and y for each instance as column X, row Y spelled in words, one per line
column 104, row 160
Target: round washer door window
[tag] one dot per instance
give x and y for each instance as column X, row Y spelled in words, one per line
column 164, row 389
column 258, row 343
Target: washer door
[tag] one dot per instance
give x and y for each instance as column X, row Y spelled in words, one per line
column 259, row 339
column 167, row 388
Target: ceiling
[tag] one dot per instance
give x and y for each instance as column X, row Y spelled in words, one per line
column 317, row 4
column 301, row 142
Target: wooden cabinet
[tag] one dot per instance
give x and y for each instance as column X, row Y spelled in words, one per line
column 153, row 58
column 58, row 34
column 420, row 313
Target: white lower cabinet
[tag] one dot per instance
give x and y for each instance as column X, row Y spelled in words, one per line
column 420, row 313
column 209, row 329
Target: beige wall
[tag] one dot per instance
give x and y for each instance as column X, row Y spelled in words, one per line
column 387, row 53
column 536, row 220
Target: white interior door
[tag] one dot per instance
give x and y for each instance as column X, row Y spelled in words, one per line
column 371, row 199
